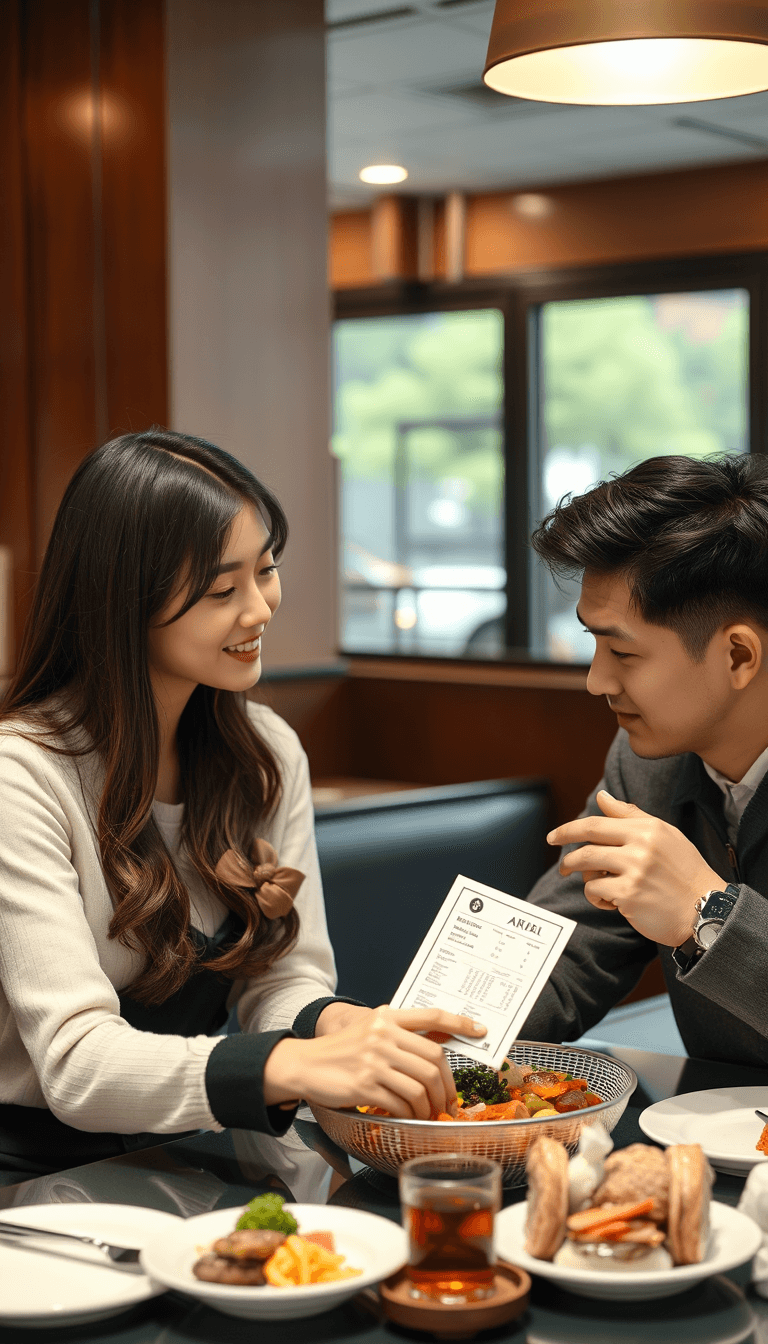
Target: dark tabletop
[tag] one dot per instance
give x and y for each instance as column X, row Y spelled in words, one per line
column 214, row 1171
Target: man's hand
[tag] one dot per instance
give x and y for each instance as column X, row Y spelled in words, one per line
column 638, row 865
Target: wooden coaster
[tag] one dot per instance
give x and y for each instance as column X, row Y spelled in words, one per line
column 460, row 1320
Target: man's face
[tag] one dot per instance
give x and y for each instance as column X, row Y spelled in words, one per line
column 667, row 703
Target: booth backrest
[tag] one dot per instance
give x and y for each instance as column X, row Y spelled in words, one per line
column 388, row 863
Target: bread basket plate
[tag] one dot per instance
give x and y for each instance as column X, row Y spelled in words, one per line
column 733, row 1239
column 372, row 1244
column 721, row 1119
column 385, row 1143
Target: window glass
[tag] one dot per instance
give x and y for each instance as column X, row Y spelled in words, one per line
column 418, row 404
column 621, row 380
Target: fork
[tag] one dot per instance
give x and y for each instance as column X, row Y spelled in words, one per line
column 761, row 1115
column 118, row 1255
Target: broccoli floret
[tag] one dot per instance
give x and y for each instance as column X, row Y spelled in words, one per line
column 267, row 1211
column 478, row 1083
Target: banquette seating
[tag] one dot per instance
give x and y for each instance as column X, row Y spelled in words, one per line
column 388, row 862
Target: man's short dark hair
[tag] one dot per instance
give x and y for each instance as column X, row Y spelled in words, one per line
column 689, row 536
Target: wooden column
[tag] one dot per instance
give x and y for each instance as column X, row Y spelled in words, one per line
column 82, row 261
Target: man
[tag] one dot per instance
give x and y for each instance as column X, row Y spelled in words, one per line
column 674, row 559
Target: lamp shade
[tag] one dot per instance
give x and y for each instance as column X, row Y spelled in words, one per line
column 628, row 51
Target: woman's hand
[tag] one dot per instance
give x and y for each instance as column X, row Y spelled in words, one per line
column 379, row 1060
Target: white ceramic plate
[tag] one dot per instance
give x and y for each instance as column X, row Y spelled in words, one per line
column 734, row 1238
column 76, row 1285
column 375, row 1245
column 722, row 1120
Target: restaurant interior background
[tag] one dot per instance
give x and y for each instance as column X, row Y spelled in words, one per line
column 553, row 293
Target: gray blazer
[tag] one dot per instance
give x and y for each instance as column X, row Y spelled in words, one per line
column 721, row 1004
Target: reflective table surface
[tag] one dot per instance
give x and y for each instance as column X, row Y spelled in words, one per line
column 213, row 1171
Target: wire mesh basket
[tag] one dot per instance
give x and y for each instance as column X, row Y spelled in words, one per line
column 385, row 1143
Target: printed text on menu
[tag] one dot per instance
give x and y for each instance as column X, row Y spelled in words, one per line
column 488, row 956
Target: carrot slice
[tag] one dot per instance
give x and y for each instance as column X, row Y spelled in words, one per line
column 591, row 1219
column 505, row 1110
column 603, row 1231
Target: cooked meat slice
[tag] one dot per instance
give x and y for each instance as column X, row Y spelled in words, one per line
column 249, row 1244
column 214, row 1268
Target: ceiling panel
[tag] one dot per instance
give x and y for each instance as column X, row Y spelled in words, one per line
column 372, row 116
column 405, row 52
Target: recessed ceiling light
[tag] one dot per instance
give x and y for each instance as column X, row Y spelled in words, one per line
column 383, row 174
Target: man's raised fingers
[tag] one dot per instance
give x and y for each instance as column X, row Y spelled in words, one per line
column 600, row 858
column 595, row 830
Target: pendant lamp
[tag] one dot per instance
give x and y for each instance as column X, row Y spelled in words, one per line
column 628, row 51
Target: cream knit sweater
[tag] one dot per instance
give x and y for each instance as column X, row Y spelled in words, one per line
column 63, row 1043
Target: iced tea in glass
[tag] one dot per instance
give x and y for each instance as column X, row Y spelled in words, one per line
column 449, row 1203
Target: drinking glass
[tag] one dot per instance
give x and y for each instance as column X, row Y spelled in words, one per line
column 449, row 1202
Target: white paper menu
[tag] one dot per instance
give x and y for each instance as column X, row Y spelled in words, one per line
column 488, row 956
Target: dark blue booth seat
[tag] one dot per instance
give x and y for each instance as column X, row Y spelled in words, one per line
column 388, row 862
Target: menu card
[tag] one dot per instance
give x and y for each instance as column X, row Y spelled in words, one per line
column 488, row 956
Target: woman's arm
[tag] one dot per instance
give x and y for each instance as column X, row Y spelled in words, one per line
column 62, row 1040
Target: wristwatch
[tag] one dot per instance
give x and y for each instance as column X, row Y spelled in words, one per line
column 713, row 910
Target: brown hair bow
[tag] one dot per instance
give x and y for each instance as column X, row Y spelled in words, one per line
column 276, row 888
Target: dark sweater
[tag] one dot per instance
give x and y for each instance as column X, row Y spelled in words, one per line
column 721, row 1004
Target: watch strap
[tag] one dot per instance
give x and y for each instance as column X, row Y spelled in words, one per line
column 686, row 954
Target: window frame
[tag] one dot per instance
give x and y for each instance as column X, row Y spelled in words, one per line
column 519, row 297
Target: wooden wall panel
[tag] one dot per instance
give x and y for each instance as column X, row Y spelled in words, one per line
column 318, row 709
column 699, row 211
column 444, row 734
column 82, row 261
column 435, row 732
column 693, row 213
column 61, row 237
column 15, row 464
column 350, row 250
column 133, row 140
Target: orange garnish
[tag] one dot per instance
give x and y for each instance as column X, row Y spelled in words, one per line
column 592, row 1219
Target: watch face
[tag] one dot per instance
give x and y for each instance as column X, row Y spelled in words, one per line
column 707, row 932
column 718, row 905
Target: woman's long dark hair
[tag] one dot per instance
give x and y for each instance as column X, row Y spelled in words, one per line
column 138, row 516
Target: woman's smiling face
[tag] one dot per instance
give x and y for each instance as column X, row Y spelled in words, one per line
column 201, row 647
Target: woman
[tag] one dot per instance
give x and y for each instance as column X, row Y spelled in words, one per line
column 157, row 859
